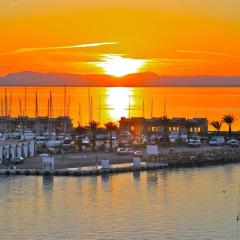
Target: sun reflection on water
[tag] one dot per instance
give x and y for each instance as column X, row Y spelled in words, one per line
column 119, row 100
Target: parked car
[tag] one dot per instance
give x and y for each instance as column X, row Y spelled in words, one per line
column 129, row 151
column 17, row 160
column 121, row 151
column 217, row 141
column 233, row 143
column 229, row 142
column 194, row 143
column 138, row 153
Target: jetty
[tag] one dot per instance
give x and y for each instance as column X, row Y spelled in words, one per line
column 87, row 171
column 82, row 165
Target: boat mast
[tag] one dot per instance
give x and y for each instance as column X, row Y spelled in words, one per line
column 10, row 104
column 51, row 105
column 91, row 108
column 129, row 103
column 36, row 104
column 79, row 114
column 165, row 107
column 99, row 109
column 69, row 102
column 36, row 110
column 64, row 101
column 50, row 113
column 48, row 109
column 143, row 110
column 20, row 107
column 6, row 103
column 89, row 105
column 152, row 108
column 25, row 102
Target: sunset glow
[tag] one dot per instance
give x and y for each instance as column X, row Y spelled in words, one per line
column 120, row 119
column 103, row 37
column 57, row 36
column 119, row 66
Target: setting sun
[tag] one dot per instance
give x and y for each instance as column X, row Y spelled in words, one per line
column 119, row 66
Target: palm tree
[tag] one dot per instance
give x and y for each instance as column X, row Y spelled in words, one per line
column 111, row 126
column 229, row 119
column 217, row 125
column 93, row 126
column 165, row 122
column 79, row 130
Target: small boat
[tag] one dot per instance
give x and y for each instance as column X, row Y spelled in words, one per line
column 40, row 141
column 16, row 134
column 68, row 144
column 54, row 144
column 27, row 135
column 5, row 137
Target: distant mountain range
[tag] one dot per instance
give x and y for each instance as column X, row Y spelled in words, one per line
column 146, row 79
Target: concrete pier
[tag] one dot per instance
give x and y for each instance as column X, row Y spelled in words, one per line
column 87, row 171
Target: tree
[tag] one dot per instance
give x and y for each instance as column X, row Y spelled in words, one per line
column 229, row 120
column 93, row 127
column 111, row 126
column 165, row 122
column 79, row 130
column 216, row 125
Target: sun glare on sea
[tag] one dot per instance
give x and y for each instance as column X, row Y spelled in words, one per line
column 119, row 100
column 119, row 66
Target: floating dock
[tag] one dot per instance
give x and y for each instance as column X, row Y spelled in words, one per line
column 87, row 171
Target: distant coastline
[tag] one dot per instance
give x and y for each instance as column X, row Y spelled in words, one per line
column 146, row 79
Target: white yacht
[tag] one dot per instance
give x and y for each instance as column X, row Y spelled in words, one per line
column 27, row 135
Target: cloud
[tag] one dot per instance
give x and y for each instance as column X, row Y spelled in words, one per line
column 86, row 45
column 208, row 53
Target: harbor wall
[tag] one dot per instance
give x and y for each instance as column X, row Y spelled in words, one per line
column 200, row 158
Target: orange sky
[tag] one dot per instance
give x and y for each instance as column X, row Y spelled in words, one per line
column 189, row 102
column 175, row 37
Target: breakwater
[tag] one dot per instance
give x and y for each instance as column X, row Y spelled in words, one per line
column 199, row 157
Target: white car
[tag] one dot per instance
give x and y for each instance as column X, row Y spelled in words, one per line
column 17, row 160
column 129, row 151
column 194, row 143
column 229, row 142
column 121, row 151
column 138, row 153
column 233, row 143
column 217, row 141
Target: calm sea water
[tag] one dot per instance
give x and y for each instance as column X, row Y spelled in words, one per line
column 174, row 204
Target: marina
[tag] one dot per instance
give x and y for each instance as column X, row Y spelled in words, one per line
column 119, row 120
